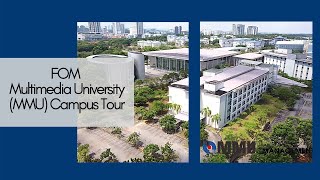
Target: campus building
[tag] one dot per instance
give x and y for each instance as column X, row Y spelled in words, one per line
column 248, row 56
column 227, row 92
column 178, row 59
column 295, row 65
column 297, row 45
column 137, row 57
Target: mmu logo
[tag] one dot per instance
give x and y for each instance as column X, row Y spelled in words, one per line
column 230, row 147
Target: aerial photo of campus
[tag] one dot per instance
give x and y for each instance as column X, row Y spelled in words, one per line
column 255, row 92
column 160, row 53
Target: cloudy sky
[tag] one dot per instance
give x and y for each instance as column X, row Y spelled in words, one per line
column 148, row 25
column 264, row 26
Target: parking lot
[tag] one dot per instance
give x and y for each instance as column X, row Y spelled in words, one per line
column 100, row 139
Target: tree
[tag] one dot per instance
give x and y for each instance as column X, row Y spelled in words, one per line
column 135, row 160
column 206, row 112
column 83, row 153
column 185, row 125
column 285, row 135
column 304, row 130
column 203, row 135
column 168, row 153
column 108, row 156
column 140, row 100
column 134, row 139
column 158, row 107
column 150, row 153
column 168, row 123
column 185, row 128
column 175, row 107
column 215, row 158
column 116, row 130
column 215, row 118
column 148, row 115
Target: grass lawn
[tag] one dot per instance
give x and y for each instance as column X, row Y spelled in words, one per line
column 253, row 119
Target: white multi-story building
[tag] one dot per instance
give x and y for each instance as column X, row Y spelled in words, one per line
column 252, row 30
column 224, row 42
column 140, row 29
column 248, row 56
column 247, row 42
column 295, row 65
column 212, row 38
column 94, row 27
column 297, row 45
column 226, row 92
column 89, row 36
column 150, row 43
column 255, row 44
column 204, row 41
column 238, row 29
column 178, row 40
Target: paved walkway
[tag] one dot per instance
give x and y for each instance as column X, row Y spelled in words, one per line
column 99, row 140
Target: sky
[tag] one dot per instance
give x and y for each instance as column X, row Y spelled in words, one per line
column 148, row 25
column 304, row 27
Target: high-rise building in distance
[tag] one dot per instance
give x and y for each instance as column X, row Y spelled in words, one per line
column 252, row 30
column 177, row 30
column 94, row 27
column 139, row 29
column 238, row 29
column 116, row 28
column 122, row 28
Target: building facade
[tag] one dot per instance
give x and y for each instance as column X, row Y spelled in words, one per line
column 295, row 65
column 94, row 27
column 238, row 29
column 297, row 45
column 252, row 30
column 140, row 29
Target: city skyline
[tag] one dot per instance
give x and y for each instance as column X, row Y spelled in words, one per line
column 147, row 25
column 304, row 27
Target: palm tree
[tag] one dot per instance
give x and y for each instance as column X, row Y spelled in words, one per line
column 215, row 118
column 206, row 112
column 175, row 107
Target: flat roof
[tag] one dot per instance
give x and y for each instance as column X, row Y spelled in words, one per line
column 269, row 52
column 250, row 56
column 242, row 79
column 251, row 62
column 300, row 42
column 183, row 53
column 210, row 54
column 230, row 73
column 289, row 82
column 182, row 82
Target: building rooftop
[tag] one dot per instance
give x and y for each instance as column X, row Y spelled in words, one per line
column 272, row 53
column 242, row 79
column 291, row 42
column 250, row 62
column 289, row 82
column 183, row 53
column 230, row 73
column 210, row 54
column 233, row 78
column 250, row 56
